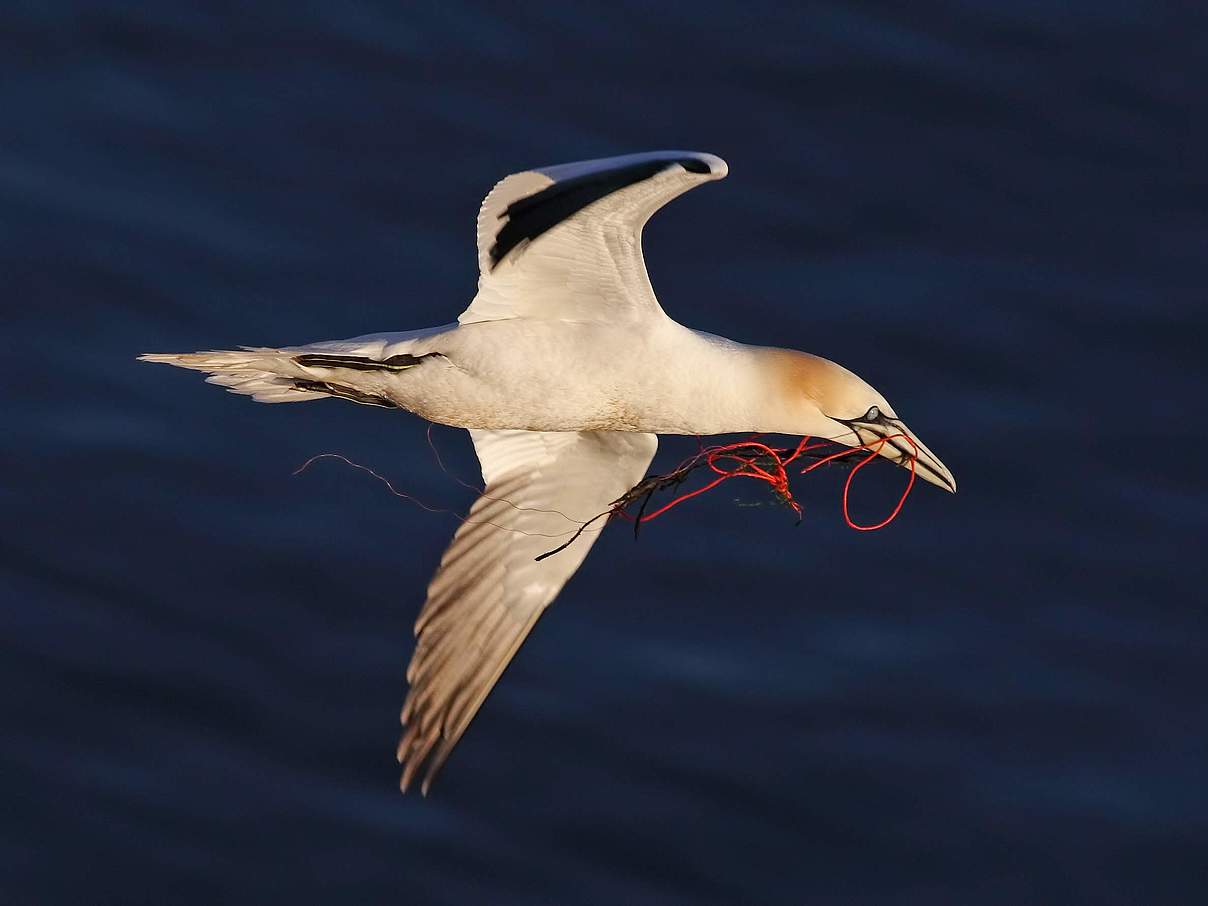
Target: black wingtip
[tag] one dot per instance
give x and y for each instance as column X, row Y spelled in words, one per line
column 533, row 215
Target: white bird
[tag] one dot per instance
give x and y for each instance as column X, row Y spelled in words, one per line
column 563, row 368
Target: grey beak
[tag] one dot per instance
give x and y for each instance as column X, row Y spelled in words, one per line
column 899, row 451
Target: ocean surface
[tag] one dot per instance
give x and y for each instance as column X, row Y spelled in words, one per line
column 996, row 213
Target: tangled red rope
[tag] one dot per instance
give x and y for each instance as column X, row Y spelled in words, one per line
column 752, row 459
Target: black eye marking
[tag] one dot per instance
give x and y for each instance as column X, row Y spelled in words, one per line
column 874, row 416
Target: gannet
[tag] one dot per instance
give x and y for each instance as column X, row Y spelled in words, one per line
column 563, row 368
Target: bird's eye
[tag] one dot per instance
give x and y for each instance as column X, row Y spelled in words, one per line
column 872, row 415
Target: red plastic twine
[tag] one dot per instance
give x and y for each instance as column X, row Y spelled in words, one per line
column 749, row 458
column 741, row 460
column 872, row 454
column 743, row 466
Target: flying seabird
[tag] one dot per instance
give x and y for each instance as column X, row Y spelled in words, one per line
column 564, row 368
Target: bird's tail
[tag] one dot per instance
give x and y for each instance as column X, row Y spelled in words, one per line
column 265, row 374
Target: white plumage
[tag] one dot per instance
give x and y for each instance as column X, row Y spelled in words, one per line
column 564, row 367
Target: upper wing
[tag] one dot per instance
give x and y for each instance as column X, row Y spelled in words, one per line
column 490, row 589
column 565, row 242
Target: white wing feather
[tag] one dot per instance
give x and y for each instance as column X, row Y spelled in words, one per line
column 490, row 589
column 588, row 267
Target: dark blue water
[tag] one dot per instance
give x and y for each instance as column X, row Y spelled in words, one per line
column 997, row 213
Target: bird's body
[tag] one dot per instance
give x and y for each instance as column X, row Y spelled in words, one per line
column 564, row 368
column 558, row 376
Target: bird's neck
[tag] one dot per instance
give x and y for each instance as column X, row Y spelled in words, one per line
column 730, row 387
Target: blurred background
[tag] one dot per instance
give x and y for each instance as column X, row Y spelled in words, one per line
column 995, row 213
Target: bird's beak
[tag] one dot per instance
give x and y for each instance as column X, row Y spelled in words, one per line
column 898, row 449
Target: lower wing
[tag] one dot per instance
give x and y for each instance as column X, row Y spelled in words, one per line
column 541, row 487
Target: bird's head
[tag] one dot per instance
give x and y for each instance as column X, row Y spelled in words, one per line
column 829, row 401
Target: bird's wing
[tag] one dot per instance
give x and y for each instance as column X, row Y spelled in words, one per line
column 489, row 590
column 565, row 242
